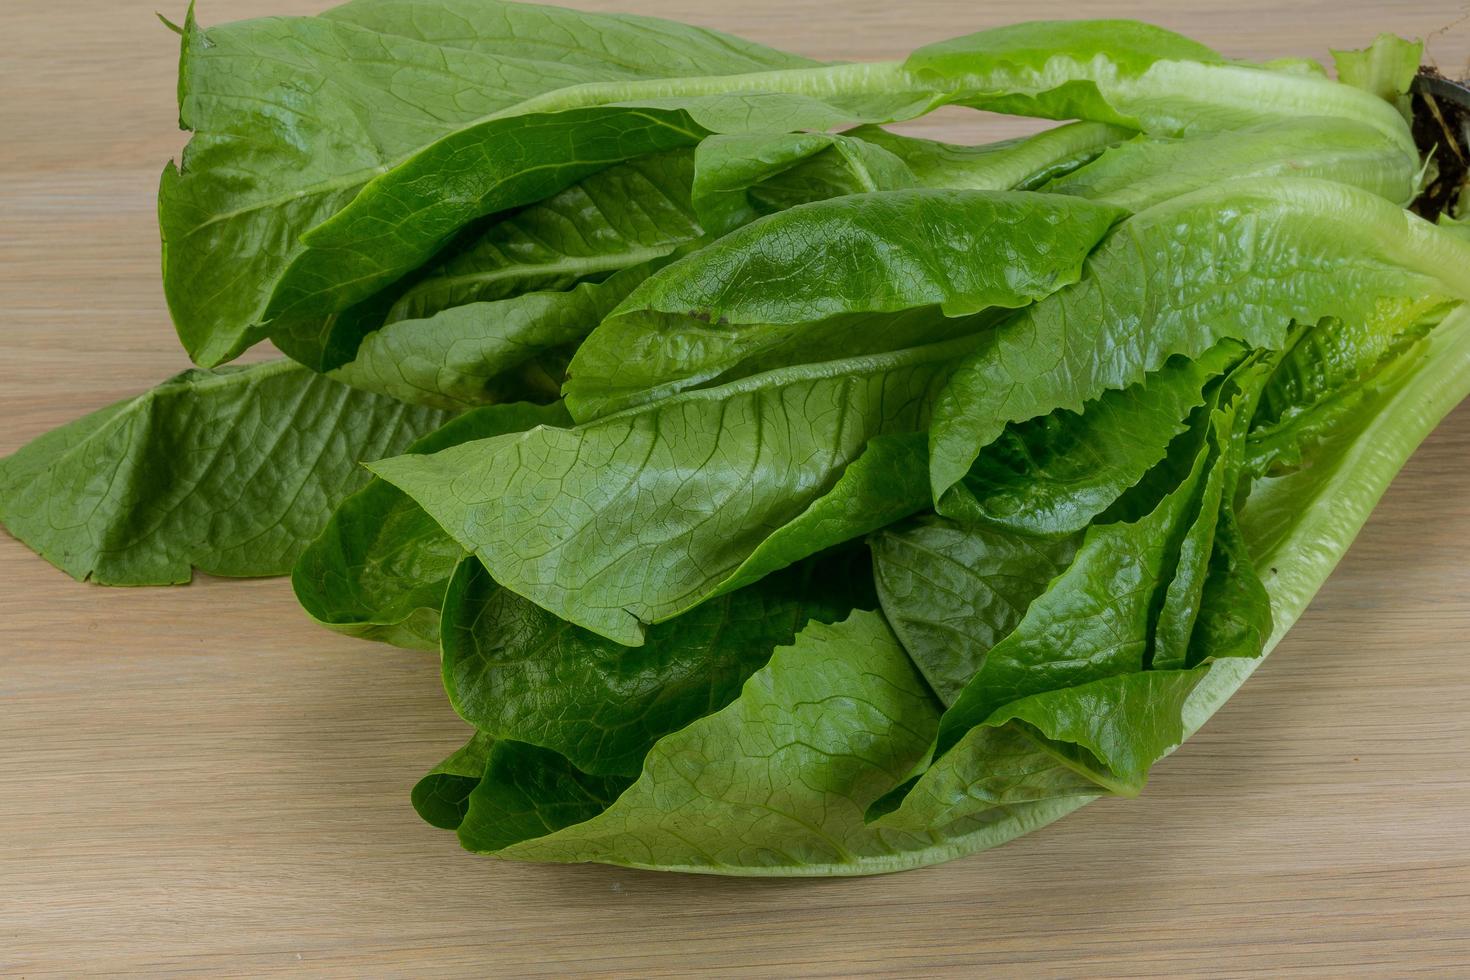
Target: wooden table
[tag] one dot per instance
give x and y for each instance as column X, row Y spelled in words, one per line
column 197, row 780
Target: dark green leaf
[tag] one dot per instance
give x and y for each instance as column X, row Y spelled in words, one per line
column 516, row 671
column 952, row 592
column 774, row 783
column 442, row 797
column 379, row 568
column 487, row 352
column 441, row 317
column 230, row 471
column 991, row 770
column 1122, row 724
column 528, row 792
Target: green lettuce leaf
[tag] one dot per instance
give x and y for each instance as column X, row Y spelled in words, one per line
column 507, row 159
column 442, row 796
column 526, row 792
column 1112, row 729
column 292, row 117
column 1234, row 618
column 736, row 305
column 1261, row 253
column 1298, row 524
column 1386, row 68
column 1137, row 76
column 1149, row 170
column 1326, row 372
column 1008, row 769
column 487, row 352
column 1108, row 71
column 379, row 568
column 258, row 228
column 740, row 177
column 1095, row 668
column 1216, row 594
column 1054, row 474
column 706, row 477
column 231, row 472
column 519, row 673
column 1097, row 618
column 1024, row 163
column 775, row 782
column 617, row 219
column 952, row 592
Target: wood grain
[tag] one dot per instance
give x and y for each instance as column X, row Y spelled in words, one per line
column 198, row 781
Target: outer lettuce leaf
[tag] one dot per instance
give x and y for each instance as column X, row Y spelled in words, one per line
column 442, row 796
column 617, row 219
column 517, row 672
column 1149, row 170
column 1386, row 68
column 292, row 117
column 379, row 568
column 378, row 204
column 231, row 472
column 737, row 304
column 705, row 478
column 393, row 226
column 775, row 782
column 527, row 791
column 1240, row 260
column 379, row 193
column 1137, row 76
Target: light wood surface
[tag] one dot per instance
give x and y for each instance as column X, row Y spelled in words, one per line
column 197, row 780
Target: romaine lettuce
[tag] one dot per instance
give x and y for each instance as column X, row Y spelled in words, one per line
column 783, row 495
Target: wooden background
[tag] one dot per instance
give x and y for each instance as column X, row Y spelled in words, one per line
column 197, row 780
